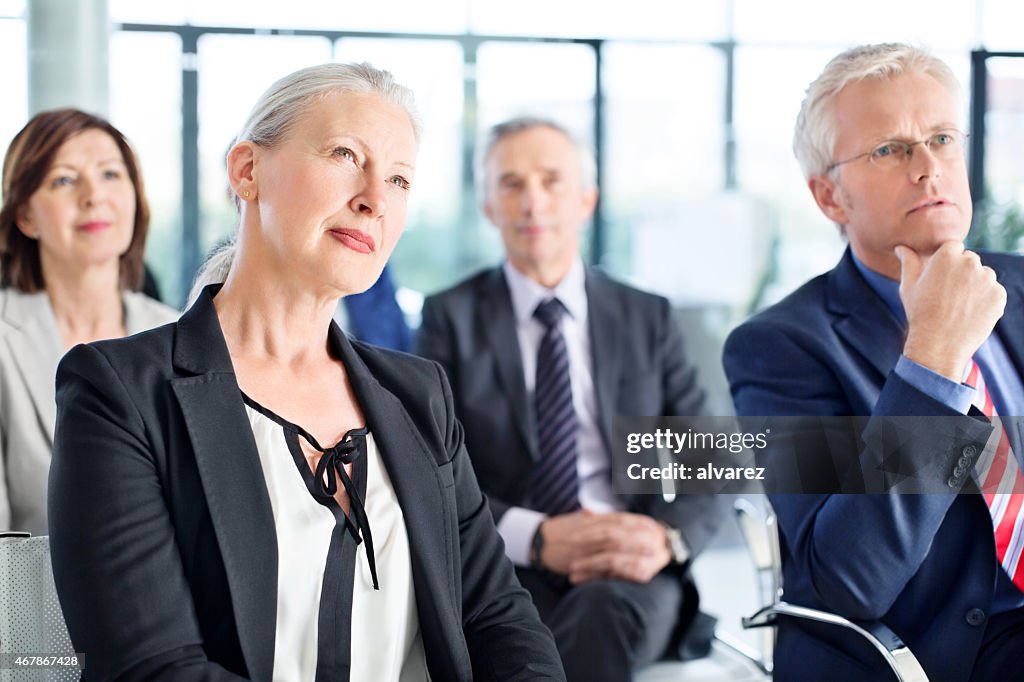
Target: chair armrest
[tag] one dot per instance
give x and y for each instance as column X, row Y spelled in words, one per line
column 902, row 661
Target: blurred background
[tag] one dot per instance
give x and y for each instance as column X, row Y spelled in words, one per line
column 689, row 106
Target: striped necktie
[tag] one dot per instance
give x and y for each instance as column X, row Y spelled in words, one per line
column 1002, row 484
column 555, row 485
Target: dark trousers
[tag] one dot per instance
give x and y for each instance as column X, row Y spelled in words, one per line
column 606, row 629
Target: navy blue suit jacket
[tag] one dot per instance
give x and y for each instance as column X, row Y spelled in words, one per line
column 374, row 316
column 925, row 565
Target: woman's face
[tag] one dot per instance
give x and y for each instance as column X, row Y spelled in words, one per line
column 332, row 196
column 83, row 212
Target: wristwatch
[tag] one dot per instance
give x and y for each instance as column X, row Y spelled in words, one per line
column 536, row 548
column 676, row 545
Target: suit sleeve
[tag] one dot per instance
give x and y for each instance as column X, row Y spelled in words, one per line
column 435, row 338
column 504, row 634
column 857, row 569
column 116, row 565
column 697, row 517
column 436, row 341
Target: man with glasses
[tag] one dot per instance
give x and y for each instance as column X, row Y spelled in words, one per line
column 908, row 324
column 542, row 353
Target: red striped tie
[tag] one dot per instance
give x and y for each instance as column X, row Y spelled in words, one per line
column 1002, row 484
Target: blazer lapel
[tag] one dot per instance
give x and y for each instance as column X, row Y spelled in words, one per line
column 232, row 478
column 1011, row 326
column 36, row 349
column 416, row 479
column 606, row 319
column 498, row 325
column 1010, row 329
column 863, row 319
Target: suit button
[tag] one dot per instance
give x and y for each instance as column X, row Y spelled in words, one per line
column 952, row 482
column 975, row 617
column 969, row 451
column 964, row 462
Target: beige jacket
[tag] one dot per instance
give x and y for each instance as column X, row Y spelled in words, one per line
column 30, row 349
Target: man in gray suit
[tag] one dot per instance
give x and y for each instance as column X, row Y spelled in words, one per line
column 542, row 353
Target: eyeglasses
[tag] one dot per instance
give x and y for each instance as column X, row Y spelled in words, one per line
column 945, row 145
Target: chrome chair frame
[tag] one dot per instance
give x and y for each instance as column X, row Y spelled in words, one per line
column 760, row 531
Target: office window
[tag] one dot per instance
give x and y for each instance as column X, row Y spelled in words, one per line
column 1001, row 22
column 234, row 70
column 665, row 166
column 551, row 80
column 14, row 74
column 145, row 104
column 149, row 11
column 795, row 240
column 555, row 80
column 12, row 8
column 1002, row 213
column 668, row 152
column 13, row 79
column 397, row 15
column 642, row 19
column 937, row 24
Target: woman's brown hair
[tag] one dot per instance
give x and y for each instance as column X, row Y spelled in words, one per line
column 28, row 159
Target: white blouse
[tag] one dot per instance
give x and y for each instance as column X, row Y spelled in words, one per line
column 385, row 641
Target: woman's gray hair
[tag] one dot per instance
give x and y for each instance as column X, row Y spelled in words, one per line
column 814, row 137
column 282, row 105
column 588, row 165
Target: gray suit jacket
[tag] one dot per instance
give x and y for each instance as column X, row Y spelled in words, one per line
column 640, row 369
column 30, row 348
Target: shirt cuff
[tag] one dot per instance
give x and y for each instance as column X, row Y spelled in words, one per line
column 953, row 395
column 516, row 527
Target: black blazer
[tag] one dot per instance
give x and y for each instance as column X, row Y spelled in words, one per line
column 640, row 369
column 162, row 533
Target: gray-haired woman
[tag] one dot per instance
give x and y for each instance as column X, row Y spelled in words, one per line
column 248, row 494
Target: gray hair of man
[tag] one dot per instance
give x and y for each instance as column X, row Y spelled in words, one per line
column 814, row 137
column 497, row 133
column 281, row 106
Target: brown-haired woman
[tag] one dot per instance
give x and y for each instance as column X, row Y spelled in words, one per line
column 72, row 234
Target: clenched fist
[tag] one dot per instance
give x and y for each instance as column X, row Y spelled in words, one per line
column 952, row 303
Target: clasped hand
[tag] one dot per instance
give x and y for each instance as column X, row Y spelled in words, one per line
column 587, row 546
column 952, row 303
